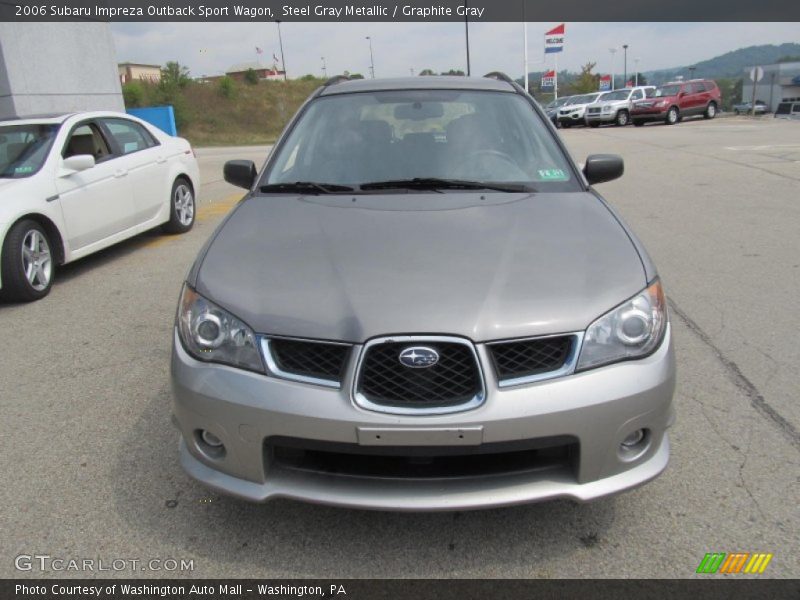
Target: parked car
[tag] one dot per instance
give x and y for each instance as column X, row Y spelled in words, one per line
column 551, row 109
column 615, row 107
column 674, row 101
column 788, row 110
column 74, row 184
column 422, row 304
column 574, row 109
column 747, row 107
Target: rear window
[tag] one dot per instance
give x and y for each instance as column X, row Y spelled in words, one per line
column 486, row 136
column 24, row 148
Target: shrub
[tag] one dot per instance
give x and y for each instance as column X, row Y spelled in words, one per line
column 227, row 87
column 133, row 94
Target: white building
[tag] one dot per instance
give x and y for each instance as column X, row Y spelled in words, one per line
column 781, row 83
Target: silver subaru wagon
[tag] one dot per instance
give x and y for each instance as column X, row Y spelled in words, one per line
column 422, row 304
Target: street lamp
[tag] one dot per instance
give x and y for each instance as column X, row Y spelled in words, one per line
column 625, row 68
column 280, row 40
column 636, row 66
column 324, row 68
column 691, row 72
column 371, row 59
column 466, row 34
column 613, row 52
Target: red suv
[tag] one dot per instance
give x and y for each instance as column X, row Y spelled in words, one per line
column 673, row 101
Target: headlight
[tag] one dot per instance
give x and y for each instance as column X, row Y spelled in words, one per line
column 212, row 334
column 631, row 330
column 661, row 103
column 606, row 109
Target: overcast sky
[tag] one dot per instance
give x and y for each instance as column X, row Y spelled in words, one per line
column 210, row 48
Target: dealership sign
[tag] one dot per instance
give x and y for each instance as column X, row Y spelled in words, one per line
column 548, row 79
column 605, row 83
column 554, row 39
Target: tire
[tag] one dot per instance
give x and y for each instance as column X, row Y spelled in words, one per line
column 28, row 263
column 566, row 125
column 594, row 125
column 736, row 110
column 181, row 207
column 623, row 118
column 711, row 111
column 638, row 123
column 673, row 116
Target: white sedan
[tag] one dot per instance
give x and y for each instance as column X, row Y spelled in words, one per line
column 74, row 184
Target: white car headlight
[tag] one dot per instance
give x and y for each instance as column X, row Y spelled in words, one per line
column 631, row 330
column 212, row 334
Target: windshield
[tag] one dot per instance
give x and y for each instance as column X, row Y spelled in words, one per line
column 557, row 103
column 24, row 148
column 618, row 95
column 667, row 90
column 475, row 136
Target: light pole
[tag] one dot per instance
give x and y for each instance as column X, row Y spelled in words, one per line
column 613, row 52
column 636, row 66
column 625, row 68
column 691, row 72
column 280, row 41
column 371, row 59
column 324, row 68
column 411, row 70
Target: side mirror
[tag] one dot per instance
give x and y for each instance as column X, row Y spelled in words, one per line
column 241, row 173
column 79, row 162
column 603, row 167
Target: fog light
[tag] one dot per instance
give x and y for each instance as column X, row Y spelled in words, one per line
column 212, row 440
column 633, row 438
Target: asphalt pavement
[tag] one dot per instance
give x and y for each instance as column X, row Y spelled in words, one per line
column 90, row 462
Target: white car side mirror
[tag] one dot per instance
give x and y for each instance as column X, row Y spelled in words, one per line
column 79, row 162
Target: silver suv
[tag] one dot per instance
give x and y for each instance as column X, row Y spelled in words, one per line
column 422, row 304
column 615, row 107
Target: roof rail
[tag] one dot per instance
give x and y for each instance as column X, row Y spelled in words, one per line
column 336, row 79
column 500, row 76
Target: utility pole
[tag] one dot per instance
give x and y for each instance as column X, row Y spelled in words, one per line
column 324, row 68
column 636, row 66
column 280, row 41
column 371, row 59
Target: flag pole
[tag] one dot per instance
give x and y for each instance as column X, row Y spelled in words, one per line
column 555, row 79
column 525, row 38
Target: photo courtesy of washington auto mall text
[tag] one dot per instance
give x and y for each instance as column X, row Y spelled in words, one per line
column 388, row 299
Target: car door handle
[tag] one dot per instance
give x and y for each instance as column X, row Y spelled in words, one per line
column 120, row 173
column 161, row 160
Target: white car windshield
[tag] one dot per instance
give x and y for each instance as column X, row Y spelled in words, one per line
column 24, row 148
column 618, row 95
column 467, row 135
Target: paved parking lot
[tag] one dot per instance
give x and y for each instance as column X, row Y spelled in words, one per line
column 90, row 456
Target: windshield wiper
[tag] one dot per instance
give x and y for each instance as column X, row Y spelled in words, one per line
column 434, row 183
column 306, row 187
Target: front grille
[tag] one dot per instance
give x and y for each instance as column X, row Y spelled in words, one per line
column 594, row 110
column 455, row 379
column 320, row 360
column 528, row 358
column 420, row 462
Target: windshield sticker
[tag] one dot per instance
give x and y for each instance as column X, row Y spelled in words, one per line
column 27, row 169
column 552, row 175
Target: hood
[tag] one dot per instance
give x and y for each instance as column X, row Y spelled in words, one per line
column 484, row 267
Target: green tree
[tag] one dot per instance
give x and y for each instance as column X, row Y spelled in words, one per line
column 175, row 74
column 426, row 72
column 251, row 77
column 226, row 87
column 641, row 79
column 133, row 94
column 457, row 72
column 587, row 81
column 356, row 76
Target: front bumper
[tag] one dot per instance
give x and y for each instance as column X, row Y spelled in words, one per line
column 572, row 118
column 601, row 117
column 650, row 114
column 596, row 409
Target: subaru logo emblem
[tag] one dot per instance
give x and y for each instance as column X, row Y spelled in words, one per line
column 419, row 357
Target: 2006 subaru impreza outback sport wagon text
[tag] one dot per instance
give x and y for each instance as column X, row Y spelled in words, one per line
column 422, row 304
